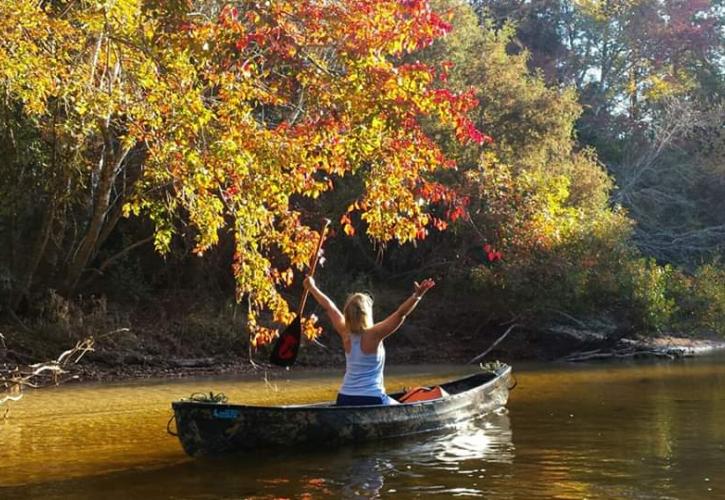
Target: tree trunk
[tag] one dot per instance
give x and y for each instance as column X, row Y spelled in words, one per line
column 111, row 164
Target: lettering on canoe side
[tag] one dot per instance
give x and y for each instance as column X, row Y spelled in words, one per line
column 226, row 413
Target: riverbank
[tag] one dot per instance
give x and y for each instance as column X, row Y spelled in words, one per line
column 180, row 335
column 143, row 353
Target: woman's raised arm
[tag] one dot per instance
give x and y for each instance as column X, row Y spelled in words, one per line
column 390, row 324
column 336, row 317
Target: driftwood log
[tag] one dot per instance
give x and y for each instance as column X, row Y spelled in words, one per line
column 15, row 378
column 628, row 348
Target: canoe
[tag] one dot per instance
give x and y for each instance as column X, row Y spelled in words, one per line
column 209, row 428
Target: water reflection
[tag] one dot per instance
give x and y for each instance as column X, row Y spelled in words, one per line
column 603, row 431
column 485, row 439
column 366, row 477
column 416, row 464
column 465, row 450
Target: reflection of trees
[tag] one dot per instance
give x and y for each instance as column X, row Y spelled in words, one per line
column 685, row 433
column 653, row 429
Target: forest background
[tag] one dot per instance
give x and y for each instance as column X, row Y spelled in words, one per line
column 164, row 165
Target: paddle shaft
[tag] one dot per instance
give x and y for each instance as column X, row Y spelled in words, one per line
column 313, row 267
column 287, row 346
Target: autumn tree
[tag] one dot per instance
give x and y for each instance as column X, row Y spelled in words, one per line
column 649, row 77
column 622, row 57
column 225, row 115
column 539, row 236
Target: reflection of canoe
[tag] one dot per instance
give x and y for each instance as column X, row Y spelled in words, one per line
column 206, row 428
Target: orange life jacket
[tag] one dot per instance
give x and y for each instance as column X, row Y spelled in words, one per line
column 423, row 394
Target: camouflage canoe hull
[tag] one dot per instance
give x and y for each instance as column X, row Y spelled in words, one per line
column 213, row 429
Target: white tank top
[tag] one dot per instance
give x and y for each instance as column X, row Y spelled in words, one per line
column 363, row 372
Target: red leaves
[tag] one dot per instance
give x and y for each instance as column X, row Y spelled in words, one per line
column 228, row 15
column 443, row 96
column 416, row 67
column 491, row 254
column 439, row 24
column 456, row 213
column 434, row 192
column 245, row 40
column 439, row 224
column 459, row 105
column 472, row 133
column 446, row 66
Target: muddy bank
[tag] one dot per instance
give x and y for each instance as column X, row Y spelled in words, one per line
column 181, row 337
column 109, row 363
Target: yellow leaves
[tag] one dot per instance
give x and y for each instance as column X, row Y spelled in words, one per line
column 162, row 239
column 147, row 75
column 396, row 46
column 666, row 83
column 602, row 10
column 310, row 329
column 259, row 335
column 283, row 277
column 32, row 65
column 239, row 117
column 347, row 226
column 206, row 213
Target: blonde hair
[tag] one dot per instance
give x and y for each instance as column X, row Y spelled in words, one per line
column 358, row 312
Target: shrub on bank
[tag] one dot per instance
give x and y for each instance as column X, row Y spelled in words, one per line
column 701, row 299
column 651, row 307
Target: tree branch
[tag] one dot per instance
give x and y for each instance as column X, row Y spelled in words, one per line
column 498, row 341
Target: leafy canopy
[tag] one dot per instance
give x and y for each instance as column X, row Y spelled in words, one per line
column 242, row 112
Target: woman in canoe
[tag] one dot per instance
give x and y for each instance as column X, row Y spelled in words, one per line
column 363, row 341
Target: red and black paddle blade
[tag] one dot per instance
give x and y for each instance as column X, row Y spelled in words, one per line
column 287, row 346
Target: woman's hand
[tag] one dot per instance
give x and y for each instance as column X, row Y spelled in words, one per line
column 421, row 288
column 309, row 283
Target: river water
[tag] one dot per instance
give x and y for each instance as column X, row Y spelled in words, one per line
column 648, row 430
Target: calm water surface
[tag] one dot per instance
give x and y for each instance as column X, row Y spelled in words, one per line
column 597, row 431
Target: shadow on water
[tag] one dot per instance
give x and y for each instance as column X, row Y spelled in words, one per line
column 415, row 464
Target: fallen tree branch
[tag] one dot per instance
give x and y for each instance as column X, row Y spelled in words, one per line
column 568, row 316
column 14, row 379
column 625, row 348
column 498, row 341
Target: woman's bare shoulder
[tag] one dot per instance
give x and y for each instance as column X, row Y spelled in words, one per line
column 369, row 342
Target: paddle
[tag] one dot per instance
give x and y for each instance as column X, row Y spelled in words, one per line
column 287, row 346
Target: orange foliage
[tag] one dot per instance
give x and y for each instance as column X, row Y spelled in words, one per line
column 242, row 111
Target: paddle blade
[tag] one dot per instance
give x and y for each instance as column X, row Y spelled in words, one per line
column 287, row 346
